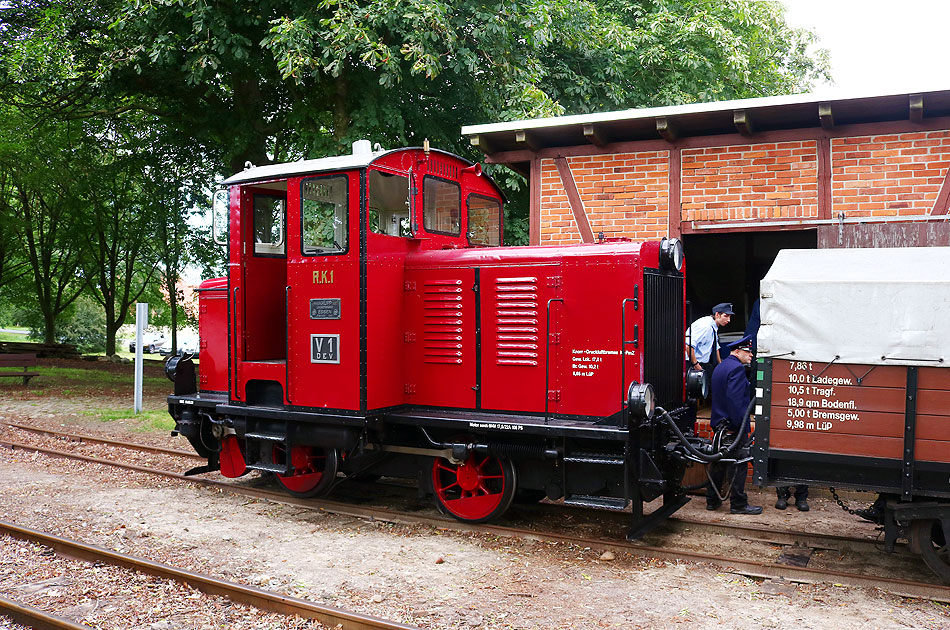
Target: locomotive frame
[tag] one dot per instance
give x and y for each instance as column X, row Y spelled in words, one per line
column 413, row 345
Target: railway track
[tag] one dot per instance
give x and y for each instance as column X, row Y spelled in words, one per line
column 34, row 617
column 91, row 439
column 795, row 546
column 238, row 593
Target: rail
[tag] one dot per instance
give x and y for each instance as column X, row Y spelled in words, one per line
column 239, row 593
column 753, row 568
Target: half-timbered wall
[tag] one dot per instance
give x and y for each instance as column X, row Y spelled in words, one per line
column 753, row 181
column 623, row 194
column 888, row 175
column 791, row 179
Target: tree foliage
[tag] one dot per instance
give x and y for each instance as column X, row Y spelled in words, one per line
column 144, row 103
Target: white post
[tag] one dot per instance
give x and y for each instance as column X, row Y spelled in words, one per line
column 141, row 320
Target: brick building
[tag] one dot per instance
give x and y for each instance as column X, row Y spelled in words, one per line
column 738, row 180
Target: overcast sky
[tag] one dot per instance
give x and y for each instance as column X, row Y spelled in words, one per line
column 880, row 46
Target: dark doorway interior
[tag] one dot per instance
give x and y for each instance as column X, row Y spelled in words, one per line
column 728, row 267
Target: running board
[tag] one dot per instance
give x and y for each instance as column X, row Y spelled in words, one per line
column 274, row 468
column 263, row 436
column 604, row 503
column 603, row 459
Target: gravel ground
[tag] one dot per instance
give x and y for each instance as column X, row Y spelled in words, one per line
column 414, row 574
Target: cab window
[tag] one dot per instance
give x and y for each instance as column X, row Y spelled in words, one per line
column 389, row 204
column 484, row 221
column 269, row 213
column 323, row 213
column 441, row 206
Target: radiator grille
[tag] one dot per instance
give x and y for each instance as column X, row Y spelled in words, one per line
column 663, row 344
column 516, row 316
column 442, row 321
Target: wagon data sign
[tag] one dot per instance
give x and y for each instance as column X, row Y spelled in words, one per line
column 324, row 348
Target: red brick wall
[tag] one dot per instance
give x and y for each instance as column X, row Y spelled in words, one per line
column 888, row 175
column 754, row 181
column 625, row 194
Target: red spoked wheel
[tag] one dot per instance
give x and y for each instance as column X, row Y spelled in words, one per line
column 475, row 491
column 314, row 469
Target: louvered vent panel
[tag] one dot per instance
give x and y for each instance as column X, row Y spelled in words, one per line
column 663, row 336
column 517, row 321
column 442, row 321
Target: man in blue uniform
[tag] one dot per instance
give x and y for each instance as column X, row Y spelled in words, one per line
column 702, row 338
column 730, row 399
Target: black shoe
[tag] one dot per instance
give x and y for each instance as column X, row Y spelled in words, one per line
column 874, row 515
column 782, row 503
column 712, row 507
column 748, row 509
column 802, row 505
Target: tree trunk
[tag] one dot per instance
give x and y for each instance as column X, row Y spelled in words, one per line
column 49, row 321
column 173, row 300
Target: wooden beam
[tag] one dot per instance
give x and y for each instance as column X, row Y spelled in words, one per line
column 943, row 197
column 826, row 116
column 743, row 122
column 525, row 139
column 666, row 129
column 824, row 178
column 595, row 135
column 534, row 203
column 574, row 198
column 675, row 206
column 916, row 106
column 482, row 144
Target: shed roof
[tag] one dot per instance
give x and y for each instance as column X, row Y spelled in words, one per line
column 797, row 111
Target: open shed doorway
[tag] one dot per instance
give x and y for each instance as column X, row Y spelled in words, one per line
column 728, row 267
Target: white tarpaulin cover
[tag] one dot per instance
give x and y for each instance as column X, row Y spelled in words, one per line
column 887, row 306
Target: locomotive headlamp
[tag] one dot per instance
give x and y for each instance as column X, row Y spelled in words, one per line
column 697, row 385
column 641, row 400
column 671, row 254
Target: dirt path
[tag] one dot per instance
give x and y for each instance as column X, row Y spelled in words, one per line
column 412, row 574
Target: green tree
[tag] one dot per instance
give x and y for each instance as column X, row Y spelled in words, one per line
column 121, row 259
column 42, row 207
column 231, row 82
column 282, row 78
column 169, row 187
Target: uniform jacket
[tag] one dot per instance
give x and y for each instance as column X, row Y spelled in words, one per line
column 730, row 393
column 702, row 336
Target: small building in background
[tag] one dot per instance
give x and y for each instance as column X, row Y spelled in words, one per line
column 738, row 180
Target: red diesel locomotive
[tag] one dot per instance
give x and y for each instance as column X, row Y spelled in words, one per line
column 371, row 324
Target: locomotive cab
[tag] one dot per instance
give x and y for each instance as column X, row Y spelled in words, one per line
column 375, row 325
column 315, row 269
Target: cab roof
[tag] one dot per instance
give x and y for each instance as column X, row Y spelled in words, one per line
column 361, row 157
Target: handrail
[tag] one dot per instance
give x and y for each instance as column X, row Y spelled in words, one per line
column 547, row 355
column 234, row 341
column 623, row 354
column 287, row 344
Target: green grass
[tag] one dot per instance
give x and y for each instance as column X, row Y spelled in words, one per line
column 101, row 377
column 148, row 419
column 7, row 336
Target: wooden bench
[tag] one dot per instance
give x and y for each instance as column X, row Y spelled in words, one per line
column 18, row 361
